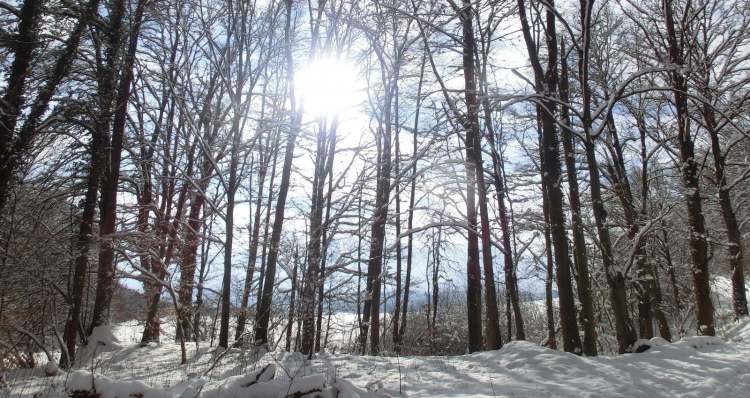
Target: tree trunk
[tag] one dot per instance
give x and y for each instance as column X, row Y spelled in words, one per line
column 267, row 221
column 615, row 278
column 551, row 334
column 108, row 206
column 309, row 289
column 289, row 327
column 410, row 217
column 14, row 149
column 691, row 184
column 397, row 291
column 546, row 85
column 326, row 236
column 252, row 256
column 371, row 308
column 229, row 231
column 436, row 279
column 473, row 277
column 734, row 235
column 263, row 315
column 498, row 171
column 12, row 102
column 74, row 325
column 580, row 257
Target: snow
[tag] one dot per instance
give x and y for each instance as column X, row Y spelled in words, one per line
column 82, row 380
column 697, row 366
column 101, row 340
column 117, row 366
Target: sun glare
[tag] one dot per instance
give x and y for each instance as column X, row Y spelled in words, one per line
column 327, row 87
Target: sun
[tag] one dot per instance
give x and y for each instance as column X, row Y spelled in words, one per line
column 327, row 87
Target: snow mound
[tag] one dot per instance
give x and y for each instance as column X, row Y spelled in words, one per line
column 101, row 340
column 259, row 384
column 83, row 383
column 699, row 342
column 253, row 384
column 692, row 367
column 103, row 336
column 525, row 354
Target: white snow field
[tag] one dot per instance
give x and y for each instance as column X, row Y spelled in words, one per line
column 120, row 368
column 690, row 367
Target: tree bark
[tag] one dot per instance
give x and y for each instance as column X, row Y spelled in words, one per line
column 13, row 100
column 263, row 162
column 289, row 327
column 473, row 277
column 734, row 235
column 263, row 315
column 326, row 237
column 546, row 86
column 15, row 148
column 412, row 196
column 309, row 289
column 550, row 310
column 108, row 206
column 690, row 180
column 580, row 257
column 397, row 291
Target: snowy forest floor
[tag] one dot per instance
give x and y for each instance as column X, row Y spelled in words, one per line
column 690, row 367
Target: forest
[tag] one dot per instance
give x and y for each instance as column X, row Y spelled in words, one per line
column 382, row 178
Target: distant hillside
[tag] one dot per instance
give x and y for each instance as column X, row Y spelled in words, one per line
column 127, row 304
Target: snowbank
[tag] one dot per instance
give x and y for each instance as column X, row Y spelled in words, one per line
column 258, row 384
column 691, row 367
column 84, row 383
column 100, row 341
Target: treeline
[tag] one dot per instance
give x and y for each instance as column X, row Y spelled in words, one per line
column 598, row 149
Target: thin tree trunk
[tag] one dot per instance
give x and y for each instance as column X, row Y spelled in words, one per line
column 362, row 338
column 550, row 310
column 580, row 257
column 325, row 238
column 734, row 235
column 412, row 195
column 266, row 221
column 229, row 232
column 289, row 327
column 621, row 187
column 263, row 315
column 397, row 172
column 73, row 324
column 436, row 279
column 309, row 289
column 498, row 172
column 189, row 249
column 252, row 256
column 371, row 319
column 201, row 280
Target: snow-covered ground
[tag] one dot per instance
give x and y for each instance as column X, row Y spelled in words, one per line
column 119, row 367
column 691, row 367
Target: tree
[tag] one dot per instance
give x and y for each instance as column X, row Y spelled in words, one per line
column 689, row 171
column 546, row 87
